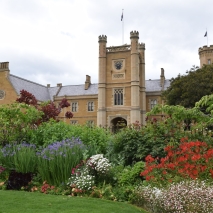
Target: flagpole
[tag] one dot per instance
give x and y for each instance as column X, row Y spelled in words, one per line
column 207, row 37
column 122, row 27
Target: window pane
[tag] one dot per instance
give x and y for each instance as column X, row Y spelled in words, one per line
column 90, row 106
column 74, row 107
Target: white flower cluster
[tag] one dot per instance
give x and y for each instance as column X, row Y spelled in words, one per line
column 99, row 164
column 83, row 176
column 184, row 197
column 81, row 180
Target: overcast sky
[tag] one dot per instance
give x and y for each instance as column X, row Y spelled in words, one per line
column 56, row 41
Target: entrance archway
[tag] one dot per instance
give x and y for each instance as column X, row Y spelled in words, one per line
column 118, row 123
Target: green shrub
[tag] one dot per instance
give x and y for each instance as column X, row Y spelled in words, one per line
column 49, row 132
column 16, row 121
column 95, row 138
column 131, row 175
column 126, row 144
column 133, row 145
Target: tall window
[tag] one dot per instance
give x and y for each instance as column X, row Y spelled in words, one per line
column 209, row 61
column 74, row 107
column 118, row 96
column 91, row 106
column 153, row 103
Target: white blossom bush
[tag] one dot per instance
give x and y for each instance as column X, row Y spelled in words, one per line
column 81, row 179
column 98, row 164
column 86, row 174
column 185, row 197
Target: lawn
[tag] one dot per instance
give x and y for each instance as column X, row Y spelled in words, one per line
column 20, row 201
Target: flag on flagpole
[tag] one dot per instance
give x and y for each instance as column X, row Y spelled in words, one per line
column 205, row 34
column 122, row 17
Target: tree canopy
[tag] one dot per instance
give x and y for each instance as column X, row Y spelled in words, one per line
column 49, row 109
column 186, row 90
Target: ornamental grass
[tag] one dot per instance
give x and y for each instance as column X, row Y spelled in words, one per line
column 56, row 161
column 19, row 157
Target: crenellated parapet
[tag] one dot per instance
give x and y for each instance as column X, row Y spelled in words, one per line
column 207, row 49
column 141, row 46
column 134, row 34
column 206, row 55
column 118, row 48
column 102, row 38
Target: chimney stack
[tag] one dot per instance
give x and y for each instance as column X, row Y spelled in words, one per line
column 87, row 82
column 162, row 78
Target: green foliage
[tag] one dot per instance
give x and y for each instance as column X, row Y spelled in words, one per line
column 186, row 90
column 49, row 132
column 19, row 157
column 96, row 138
column 126, row 144
column 177, row 122
column 131, row 174
column 4, row 173
column 16, row 121
column 133, row 145
column 48, row 108
column 206, row 104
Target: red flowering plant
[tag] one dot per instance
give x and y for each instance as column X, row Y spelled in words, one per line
column 49, row 109
column 189, row 160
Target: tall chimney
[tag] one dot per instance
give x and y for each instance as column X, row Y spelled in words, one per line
column 87, row 82
column 162, row 78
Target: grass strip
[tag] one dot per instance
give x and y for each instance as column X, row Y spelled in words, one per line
column 28, row 202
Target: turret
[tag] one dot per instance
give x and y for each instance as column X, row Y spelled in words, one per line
column 206, row 55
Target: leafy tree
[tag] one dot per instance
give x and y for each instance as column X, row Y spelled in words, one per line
column 16, row 120
column 49, row 109
column 186, row 90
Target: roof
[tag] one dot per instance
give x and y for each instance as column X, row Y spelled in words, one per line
column 44, row 93
column 39, row 91
column 154, row 85
column 75, row 90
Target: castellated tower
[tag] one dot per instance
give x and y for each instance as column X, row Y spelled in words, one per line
column 121, row 87
column 206, row 55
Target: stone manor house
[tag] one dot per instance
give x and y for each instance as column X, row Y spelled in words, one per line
column 122, row 95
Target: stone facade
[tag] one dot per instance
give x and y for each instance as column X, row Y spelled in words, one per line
column 7, row 90
column 122, row 95
column 206, row 55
